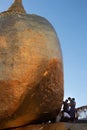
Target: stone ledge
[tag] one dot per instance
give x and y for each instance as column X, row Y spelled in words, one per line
column 55, row 126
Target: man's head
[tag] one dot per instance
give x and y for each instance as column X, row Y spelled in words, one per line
column 73, row 99
column 69, row 98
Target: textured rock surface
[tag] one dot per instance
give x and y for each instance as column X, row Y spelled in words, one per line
column 55, row 126
column 31, row 70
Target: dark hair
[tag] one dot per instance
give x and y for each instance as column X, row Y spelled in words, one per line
column 69, row 97
column 73, row 98
column 66, row 100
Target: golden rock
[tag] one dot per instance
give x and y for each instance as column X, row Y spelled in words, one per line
column 31, row 68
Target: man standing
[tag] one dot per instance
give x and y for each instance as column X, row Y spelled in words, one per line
column 72, row 106
column 65, row 106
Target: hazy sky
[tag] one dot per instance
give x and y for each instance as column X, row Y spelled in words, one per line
column 69, row 18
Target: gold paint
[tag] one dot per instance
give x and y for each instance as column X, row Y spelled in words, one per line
column 45, row 74
column 31, row 68
column 3, row 43
column 17, row 6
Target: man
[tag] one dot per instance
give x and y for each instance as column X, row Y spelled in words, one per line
column 63, row 117
column 72, row 109
column 65, row 106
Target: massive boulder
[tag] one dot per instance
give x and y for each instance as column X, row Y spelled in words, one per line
column 31, row 69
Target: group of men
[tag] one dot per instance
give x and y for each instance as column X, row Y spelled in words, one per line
column 69, row 110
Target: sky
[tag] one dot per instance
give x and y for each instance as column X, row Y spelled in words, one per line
column 69, row 18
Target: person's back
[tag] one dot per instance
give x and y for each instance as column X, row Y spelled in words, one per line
column 72, row 109
column 73, row 103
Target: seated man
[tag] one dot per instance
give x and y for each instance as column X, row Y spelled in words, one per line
column 63, row 117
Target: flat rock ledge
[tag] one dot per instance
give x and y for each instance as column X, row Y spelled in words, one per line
column 54, row 126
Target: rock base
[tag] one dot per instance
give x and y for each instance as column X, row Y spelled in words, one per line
column 55, row 126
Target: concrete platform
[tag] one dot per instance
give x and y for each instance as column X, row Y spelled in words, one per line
column 55, row 126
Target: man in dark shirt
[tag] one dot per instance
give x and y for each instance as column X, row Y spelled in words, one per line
column 65, row 105
column 72, row 106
